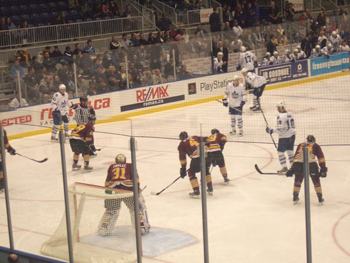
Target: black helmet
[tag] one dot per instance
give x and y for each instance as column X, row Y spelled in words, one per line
column 92, row 117
column 213, row 131
column 183, row 135
column 83, row 98
column 311, row 138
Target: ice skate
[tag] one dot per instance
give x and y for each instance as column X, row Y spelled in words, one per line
column 226, row 181
column 195, row 194
column 283, row 171
column 252, row 108
column 257, row 109
column 233, row 132
column 240, row 134
column 87, row 168
column 76, row 167
column 210, row 190
column 295, row 197
column 54, row 139
column 320, row 199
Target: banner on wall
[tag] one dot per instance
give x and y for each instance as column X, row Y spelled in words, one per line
column 322, row 65
column 298, row 5
column 285, row 72
column 205, row 14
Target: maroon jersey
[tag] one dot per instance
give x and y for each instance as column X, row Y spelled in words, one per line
column 215, row 142
column 314, row 151
column 120, row 174
column 189, row 147
column 7, row 144
column 83, row 132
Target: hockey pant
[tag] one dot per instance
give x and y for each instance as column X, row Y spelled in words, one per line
column 257, row 94
column 217, row 158
column 299, row 177
column 80, row 147
column 196, row 168
column 286, row 145
column 57, row 121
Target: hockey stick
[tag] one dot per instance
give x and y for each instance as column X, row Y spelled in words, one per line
column 42, row 161
column 266, row 122
column 154, row 193
column 260, row 172
column 231, row 107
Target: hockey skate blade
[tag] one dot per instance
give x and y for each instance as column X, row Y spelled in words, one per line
column 153, row 193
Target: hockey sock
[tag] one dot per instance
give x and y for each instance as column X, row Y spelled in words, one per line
column 86, row 159
column 223, row 171
column 282, row 159
column 208, row 179
column 255, row 102
column 194, row 184
column 54, row 130
column 239, row 122
column 290, row 156
column 66, row 127
column 233, row 122
column 76, row 157
column 318, row 189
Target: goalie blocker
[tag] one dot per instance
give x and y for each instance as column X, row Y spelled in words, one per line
column 119, row 176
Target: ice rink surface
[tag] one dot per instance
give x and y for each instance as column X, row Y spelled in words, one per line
column 252, row 219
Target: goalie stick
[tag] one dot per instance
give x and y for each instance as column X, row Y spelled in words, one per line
column 231, row 107
column 41, row 161
column 260, row 172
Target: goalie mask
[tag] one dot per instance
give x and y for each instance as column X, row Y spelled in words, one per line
column 183, row 136
column 120, row 158
column 310, row 138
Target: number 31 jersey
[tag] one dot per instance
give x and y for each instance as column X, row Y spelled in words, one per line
column 285, row 125
column 120, row 175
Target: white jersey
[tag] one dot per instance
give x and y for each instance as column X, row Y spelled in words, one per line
column 237, row 94
column 286, row 58
column 315, row 53
column 268, row 61
column 285, row 125
column 246, row 60
column 325, row 51
column 277, row 60
column 344, row 48
column 301, row 54
column 60, row 102
column 335, row 41
column 218, row 65
column 254, row 80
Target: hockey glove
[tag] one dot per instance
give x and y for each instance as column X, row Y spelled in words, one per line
column 224, row 102
column 323, row 172
column 222, row 147
column 183, row 172
column 290, row 172
column 92, row 148
column 255, row 63
column 12, row 151
column 268, row 130
column 242, row 103
column 239, row 67
column 74, row 106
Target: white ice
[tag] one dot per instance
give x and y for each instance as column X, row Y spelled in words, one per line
column 252, row 219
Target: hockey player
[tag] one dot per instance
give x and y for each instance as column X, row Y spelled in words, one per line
column 219, row 63
column 316, row 52
column 189, row 146
column 277, row 58
column 59, row 105
column 327, row 51
column 335, row 40
column 268, row 60
column 238, row 97
column 257, row 83
column 119, row 176
column 247, row 60
column 301, row 53
column 286, row 133
column 11, row 151
column 81, row 143
column 298, row 167
column 344, row 47
column 215, row 144
column 287, row 56
column 295, row 55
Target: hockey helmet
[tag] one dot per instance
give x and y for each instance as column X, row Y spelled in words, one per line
column 183, row 135
column 83, row 98
column 281, row 105
column 334, row 33
column 244, row 70
column 62, row 86
column 213, row 131
column 268, row 54
column 329, row 45
column 318, row 46
column 310, row 138
column 243, row 49
column 296, row 51
column 275, row 53
column 120, row 158
column 287, row 51
column 220, row 54
column 298, row 47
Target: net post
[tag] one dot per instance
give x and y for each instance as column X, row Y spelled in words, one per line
column 307, row 204
column 136, row 198
column 66, row 197
column 204, row 198
column 7, row 197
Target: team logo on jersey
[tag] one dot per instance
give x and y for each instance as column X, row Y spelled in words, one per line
column 192, row 88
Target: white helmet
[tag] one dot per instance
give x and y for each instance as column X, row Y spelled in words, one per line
column 287, row 51
column 298, row 47
column 275, row 53
column 268, row 54
column 243, row 49
column 334, row 33
column 296, row 51
column 244, row 70
column 318, row 46
column 61, row 86
column 281, row 104
column 235, row 77
column 220, row 54
column 120, row 158
column 329, row 45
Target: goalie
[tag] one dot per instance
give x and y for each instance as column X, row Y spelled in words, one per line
column 119, row 176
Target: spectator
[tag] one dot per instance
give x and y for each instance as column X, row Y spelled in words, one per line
column 102, row 86
column 86, row 11
column 17, row 67
column 280, row 31
column 104, row 10
column 133, row 71
column 113, row 8
column 68, row 55
column 125, row 42
column 10, row 24
column 157, row 77
column 259, row 37
column 13, row 258
column 236, row 45
column 296, row 38
column 214, row 21
column 24, row 58
column 274, row 13
column 92, row 90
column 64, row 74
column 184, row 74
column 3, row 24
column 32, row 84
column 164, row 23
column 111, row 76
column 77, row 51
column 151, row 40
column 169, row 70
column 35, row 63
column 89, row 48
column 49, row 63
column 16, row 102
column 256, row 10
column 41, row 74
column 250, row 14
column 148, row 79
column 142, row 40
column 57, row 54
column 240, row 14
column 114, row 44
column 237, row 30
column 138, row 64
column 289, row 12
column 271, row 46
column 227, row 26
column 135, row 42
column 201, row 31
column 46, row 88
column 107, row 60
column 72, row 4
column 322, row 39
column 85, row 63
column 56, row 82
column 321, row 19
column 159, row 37
column 127, row 12
column 308, row 16
column 96, row 66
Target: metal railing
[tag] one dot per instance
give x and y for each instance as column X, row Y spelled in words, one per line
column 26, row 36
column 168, row 10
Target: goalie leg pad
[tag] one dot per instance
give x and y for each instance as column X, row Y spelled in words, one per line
column 145, row 226
column 108, row 221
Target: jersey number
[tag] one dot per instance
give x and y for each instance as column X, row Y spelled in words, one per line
column 290, row 123
column 248, row 59
column 119, row 172
column 79, row 128
column 193, row 142
column 212, row 138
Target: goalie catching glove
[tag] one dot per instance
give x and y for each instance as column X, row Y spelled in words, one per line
column 183, row 172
